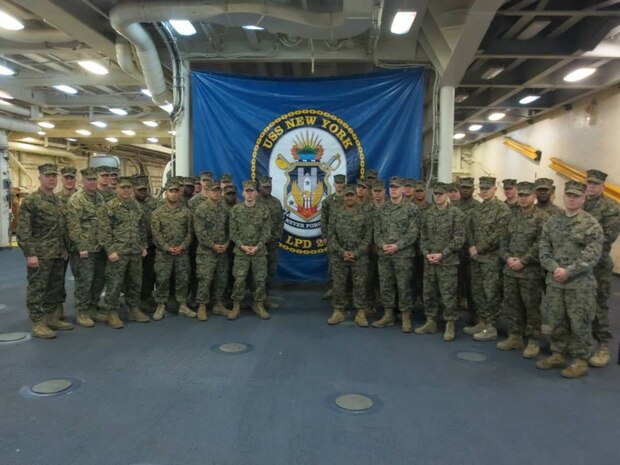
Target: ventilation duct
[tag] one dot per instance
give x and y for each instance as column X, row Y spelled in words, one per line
column 18, row 125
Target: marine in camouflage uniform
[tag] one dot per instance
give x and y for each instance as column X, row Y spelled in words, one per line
column 523, row 275
column 229, row 200
column 483, row 239
column 88, row 259
column 123, row 236
column 68, row 189
column 607, row 213
column 570, row 247
column 409, row 189
column 442, row 234
column 276, row 215
column 172, row 234
column 510, row 192
column 250, row 229
column 41, row 234
column 210, row 222
column 373, row 289
column 417, row 283
column 544, row 192
column 329, row 206
column 396, row 228
column 104, row 175
column 349, row 238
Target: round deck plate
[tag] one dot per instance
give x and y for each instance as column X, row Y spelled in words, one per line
column 51, row 386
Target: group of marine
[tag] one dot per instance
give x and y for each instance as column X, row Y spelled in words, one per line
column 205, row 244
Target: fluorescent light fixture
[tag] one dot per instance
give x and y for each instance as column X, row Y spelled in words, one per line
column 128, row 132
column 461, row 98
column 4, row 95
column 118, row 111
column 152, row 140
column 533, row 29
column 66, row 89
column 93, row 67
column 71, row 139
column 146, row 92
column 6, row 104
column 183, row 27
column 99, row 124
column 579, row 74
column 46, row 124
column 41, row 133
column 172, row 133
column 4, row 71
column 475, row 127
column 492, row 72
column 83, row 132
column 114, row 140
column 8, row 22
column 529, row 99
column 459, row 135
column 496, row 116
column 402, row 22
column 167, row 107
column 29, row 139
column 250, row 27
column 150, row 124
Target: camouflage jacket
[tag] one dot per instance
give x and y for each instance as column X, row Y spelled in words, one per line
column 422, row 204
column 171, row 227
column 83, row 221
column 227, row 206
column 350, row 230
column 276, row 213
column 250, row 226
column 520, row 239
column 122, row 227
column 397, row 224
column 329, row 206
column 467, row 205
column 149, row 205
column 108, row 195
column 64, row 198
column 512, row 206
column 485, row 227
column 549, row 208
column 211, row 225
column 443, row 231
column 574, row 243
column 195, row 202
column 41, row 226
column 607, row 213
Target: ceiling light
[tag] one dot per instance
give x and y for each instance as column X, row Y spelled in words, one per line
column 533, row 29
column 41, row 133
column 475, row 127
column 83, row 132
column 172, row 133
column 99, row 124
column 146, row 92
column 250, row 27
column 459, row 135
column 114, row 140
column 461, row 98
column 46, row 124
column 3, row 94
column 93, row 67
column 402, row 22
column 6, row 104
column 496, row 116
column 128, row 132
column 4, row 71
column 118, row 111
column 8, row 22
column 183, row 27
column 29, row 139
column 529, row 99
column 150, row 124
column 66, row 89
column 579, row 74
column 152, row 140
column 492, row 72
column 167, row 107
column 71, row 139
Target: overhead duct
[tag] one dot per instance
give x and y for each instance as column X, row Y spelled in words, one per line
column 12, row 108
column 125, row 59
column 19, row 125
column 36, row 36
column 22, row 147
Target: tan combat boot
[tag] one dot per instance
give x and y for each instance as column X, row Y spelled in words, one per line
column 406, row 322
column 41, row 330
column 160, row 312
column 430, row 327
column 360, row 319
column 97, row 315
column 337, row 316
column 219, row 308
column 184, row 310
column 135, row 314
column 386, row 320
column 114, row 321
column 236, row 310
column 577, row 369
column 513, row 342
column 259, row 309
column 60, row 312
column 556, row 360
column 448, row 334
column 532, row 349
column 471, row 330
column 84, row 320
column 201, row 315
column 601, row 356
column 52, row 321
column 488, row 333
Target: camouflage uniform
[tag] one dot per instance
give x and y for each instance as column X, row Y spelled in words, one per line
column 276, row 215
column 149, row 204
column 419, row 266
column 509, row 184
column 64, row 197
column 109, row 193
column 550, row 208
column 329, row 206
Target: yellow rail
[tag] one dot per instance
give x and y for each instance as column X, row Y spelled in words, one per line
column 524, row 149
column 611, row 190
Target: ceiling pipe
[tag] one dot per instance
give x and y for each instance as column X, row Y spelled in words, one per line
column 22, row 147
column 19, row 125
column 36, row 36
column 125, row 59
column 16, row 109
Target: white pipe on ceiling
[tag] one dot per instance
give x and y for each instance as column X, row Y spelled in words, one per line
column 22, row 147
column 125, row 59
column 36, row 36
column 12, row 108
column 11, row 124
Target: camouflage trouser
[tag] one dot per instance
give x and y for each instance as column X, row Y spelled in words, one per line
column 440, row 289
column 373, row 291
column 241, row 267
column 341, row 271
column 486, row 287
column 465, row 281
column 272, row 261
column 571, row 312
column 125, row 274
column 600, row 326
column 165, row 264
column 45, row 285
column 417, row 281
column 522, row 299
column 148, row 274
column 395, row 278
column 193, row 277
column 89, row 279
column 212, row 269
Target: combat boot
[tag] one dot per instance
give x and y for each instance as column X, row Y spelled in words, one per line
column 114, row 321
column 601, row 356
column 386, row 320
column 488, row 333
column 201, row 315
column 448, row 335
column 556, row 360
column 160, row 312
column 135, row 314
column 236, row 310
column 513, row 342
column 406, row 322
column 184, row 310
column 219, row 309
column 259, row 309
column 97, row 315
column 532, row 349
column 59, row 310
column 84, row 320
column 430, row 327
column 471, row 330
column 360, row 319
column 53, row 322
column 270, row 304
column 577, row 369
column 41, row 330
column 337, row 317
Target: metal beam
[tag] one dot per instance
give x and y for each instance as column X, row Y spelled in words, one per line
column 48, row 79
column 69, row 101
